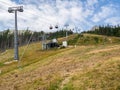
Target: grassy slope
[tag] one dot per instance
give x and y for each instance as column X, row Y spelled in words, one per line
column 91, row 39
column 93, row 67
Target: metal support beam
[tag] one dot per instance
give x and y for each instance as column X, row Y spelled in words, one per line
column 14, row 10
column 16, row 54
column 66, row 34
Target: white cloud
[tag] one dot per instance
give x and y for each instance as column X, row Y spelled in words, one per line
column 91, row 2
column 113, row 20
column 45, row 14
column 104, row 13
column 40, row 14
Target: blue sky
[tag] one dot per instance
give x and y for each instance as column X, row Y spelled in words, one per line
column 40, row 14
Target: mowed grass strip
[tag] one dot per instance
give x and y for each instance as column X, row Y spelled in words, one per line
column 32, row 55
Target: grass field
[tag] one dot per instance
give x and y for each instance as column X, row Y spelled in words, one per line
column 84, row 67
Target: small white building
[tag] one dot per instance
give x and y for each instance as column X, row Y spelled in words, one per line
column 64, row 43
column 54, row 40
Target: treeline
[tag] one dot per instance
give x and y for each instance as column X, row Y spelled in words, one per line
column 58, row 34
column 106, row 30
column 7, row 37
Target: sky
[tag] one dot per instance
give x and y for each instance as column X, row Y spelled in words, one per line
column 39, row 15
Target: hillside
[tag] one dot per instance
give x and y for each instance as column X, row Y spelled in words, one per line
column 93, row 39
column 94, row 64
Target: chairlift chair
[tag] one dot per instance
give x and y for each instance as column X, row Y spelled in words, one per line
column 10, row 10
column 56, row 26
column 51, row 27
column 20, row 9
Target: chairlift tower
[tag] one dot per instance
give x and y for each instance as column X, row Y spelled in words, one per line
column 14, row 10
column 56, row 27
column 66, row 25
column 43, row 41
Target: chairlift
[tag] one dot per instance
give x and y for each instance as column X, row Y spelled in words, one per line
column 51, row 27
column 20, row 9
column 56, row 26
column 10, row 10
column 66, row 25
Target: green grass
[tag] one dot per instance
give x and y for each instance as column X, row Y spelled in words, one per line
column 85, row 67
column 1, row 64
column 31, row 57
column 91, row 39
column 105, row 76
